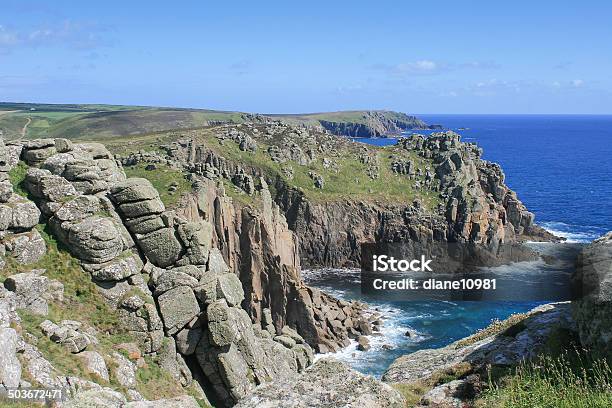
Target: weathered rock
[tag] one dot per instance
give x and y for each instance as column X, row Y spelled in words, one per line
column 117, row 269
column 94, row 364
column 78, row 208
column 10, row 367
column 174, row 363
column 142, row 208
column 593, row 311
column 527, row 339
column 123, row 370
column 97, row 398
column 173, row 278
column 197, row 239
column 27, row 247
column 95, row 239
column 363, row 343
column 6, row 191
column 25, row 215
column 285, row 341
column 328, row 383
column 68, row 334
column 33, row 290
column 178, row 307
column 229, row 288
column 161, row 247
column 444, row 395
column 134, row 189
column 188, row 339
column 183, row 401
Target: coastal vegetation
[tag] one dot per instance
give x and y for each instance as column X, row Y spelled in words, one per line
column 82, row 121
column 573, row 378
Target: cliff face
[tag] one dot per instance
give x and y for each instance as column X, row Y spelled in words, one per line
column 211, row 287
column 375, row 124
column 335, row 194
column 264, row 252
column 592, row 311
column 476, row 207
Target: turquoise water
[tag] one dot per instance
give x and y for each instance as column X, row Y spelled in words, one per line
column 561, row 168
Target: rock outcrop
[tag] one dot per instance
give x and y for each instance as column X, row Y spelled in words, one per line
column 375, row 124
column 472, row 206
column 521, row 341
column 593, row 310
column 476, row 208
column 173, row 279
column 211, row 286
column 19, row 240
column 259, row 244
column 504, row 344
column 328, row 383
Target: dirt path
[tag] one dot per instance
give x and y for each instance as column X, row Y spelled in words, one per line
column 25, row 128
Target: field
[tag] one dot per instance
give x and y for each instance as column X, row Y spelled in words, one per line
column 74, row 121
column 101, row 121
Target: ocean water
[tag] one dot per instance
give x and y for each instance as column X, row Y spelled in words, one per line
column 561, row 168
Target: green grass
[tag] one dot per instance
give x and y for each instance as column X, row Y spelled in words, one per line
column 83, row 302
column 89, row 122
column 414, row 391
column 162, row 178
column 17, row 177
column 572, row 379
column 350, row 181
column 510, row 326
column 155, row 383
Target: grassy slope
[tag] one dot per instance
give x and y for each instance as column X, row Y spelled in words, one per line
column 563, row 376
column 101, row 121
column 349, row 181
column 162, row 178
column 75, row 121
column 82, row 302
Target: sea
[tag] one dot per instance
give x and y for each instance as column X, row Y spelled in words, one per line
column 561, row 168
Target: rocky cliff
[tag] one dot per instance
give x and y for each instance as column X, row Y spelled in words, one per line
column 336, row 194
column 592, row 311
column 374, row 124
column 475, row 207
column 210, row 287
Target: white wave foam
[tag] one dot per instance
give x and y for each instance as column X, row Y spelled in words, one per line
column 392, row 334
column 573, row 232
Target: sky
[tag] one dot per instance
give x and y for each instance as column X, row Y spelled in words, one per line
column 288, row 57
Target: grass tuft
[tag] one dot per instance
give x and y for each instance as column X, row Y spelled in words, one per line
column 17, row 177
column 162, row 178
column 572, row 379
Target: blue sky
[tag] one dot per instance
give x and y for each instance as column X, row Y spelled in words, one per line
column 412, row 56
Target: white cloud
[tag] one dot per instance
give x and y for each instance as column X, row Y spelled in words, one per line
column 7, row 37
column 431, row 67
column 577, row 83
column 418, row 66
column 67, row 33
